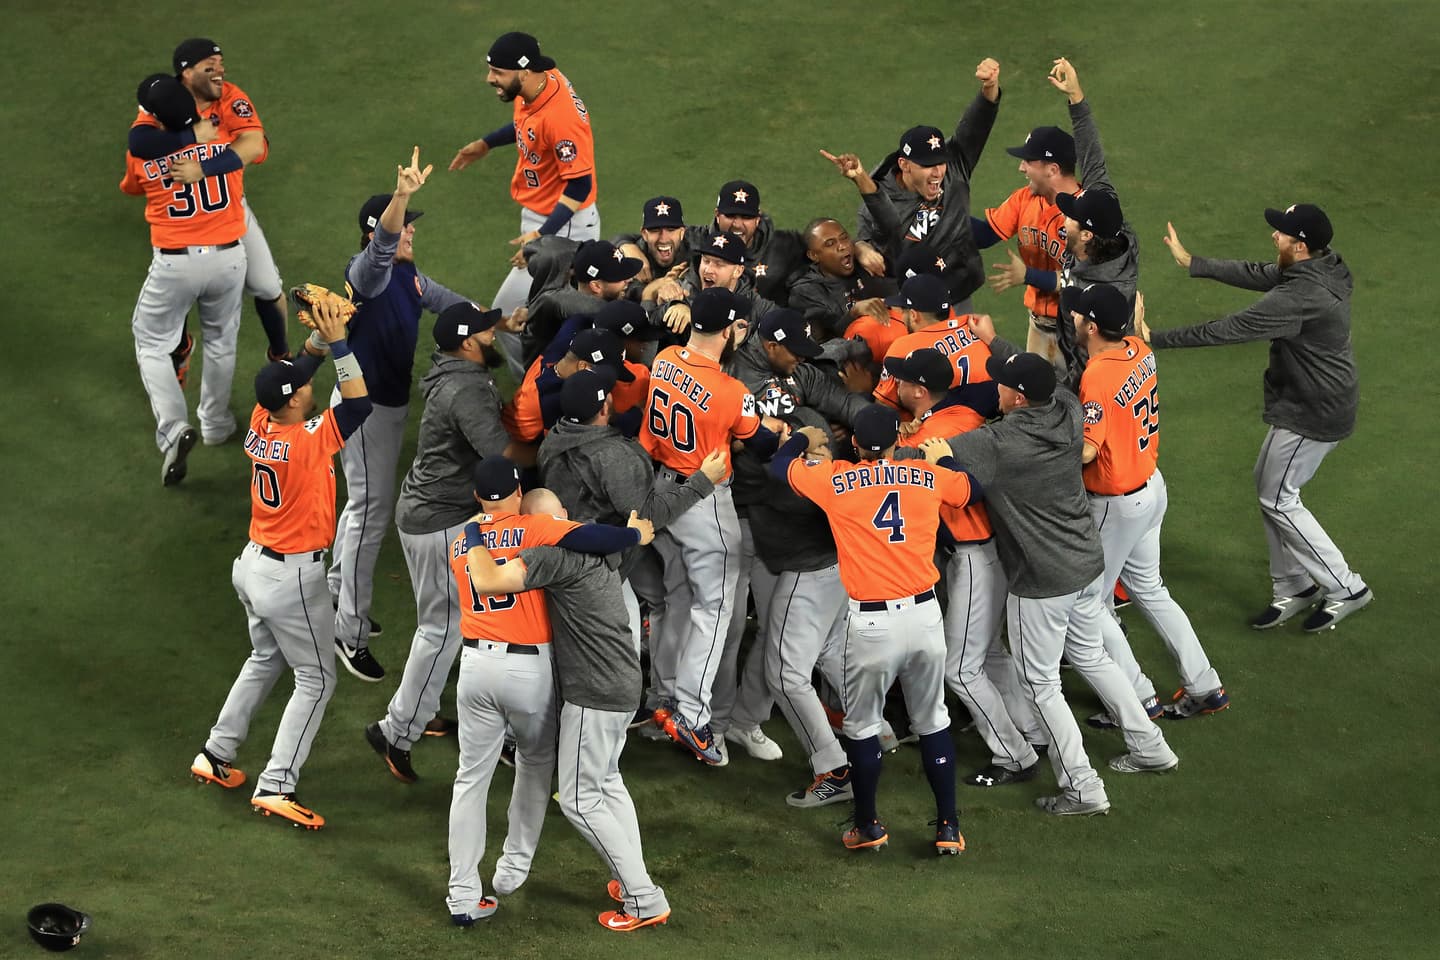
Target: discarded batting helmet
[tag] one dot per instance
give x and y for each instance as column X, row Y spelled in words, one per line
column 56, row 926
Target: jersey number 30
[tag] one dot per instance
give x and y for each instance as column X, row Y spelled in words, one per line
column 888, row 517
column 213, row 194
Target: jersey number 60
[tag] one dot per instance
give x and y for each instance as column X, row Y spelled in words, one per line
column 672, row 420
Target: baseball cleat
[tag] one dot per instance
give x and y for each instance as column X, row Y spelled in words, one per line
column 641, row 718
column 441, row 727
column 949, row 841
column 1063, row 805
column 755, row 742
column 872, row 836
column 1333, row 611
column 1184, row 706
column 1104, row 721
column 484, row 909
column 1121, row 597
column 173, row 468
column 998, row 776
column 396, row 759
column 180, row 359
column 507, row 753
column 285, row 805
column 209, row 768
column 623, row 922
column 1282, row 609
column 1130, row 763
column 360, row 662
column 616, row 892
column 827, row 788
column 724, row 750
column 662, row 712
column 699, row 742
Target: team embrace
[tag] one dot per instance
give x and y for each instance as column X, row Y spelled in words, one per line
column 745, row 467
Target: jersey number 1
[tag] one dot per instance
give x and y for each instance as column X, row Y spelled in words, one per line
column 888, row 517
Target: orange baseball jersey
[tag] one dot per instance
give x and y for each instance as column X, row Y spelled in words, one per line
column 628, row 396
column 951, row 337
column 692, row 408
column 522, row 416
column 1041, row 228
column 552, row 136
column 884, row 516
column 1121, row 398
column 234, row 113
column 877, row 334
column 968, row 524
column 513, row 617
column 292, row 481
column 185, row 214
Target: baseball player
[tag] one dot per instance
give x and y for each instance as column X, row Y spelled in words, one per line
column 597, row 667
column 196, row 226
column 878, row 333
column 833, row 290
column 884, row 517
column 694, row 407
column 460, row 426
column 921, row 192
column 280, row 575
column 925, row 311
column 662, row 243
column 554, row 181
column 390, row 294
column 200, row 67
column 774, row 256
column 978, row 669
column 1312, row 394
column 506, row 682
column 1120, row 394
column 719, row 261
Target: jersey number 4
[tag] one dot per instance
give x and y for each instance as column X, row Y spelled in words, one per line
column 1147, row 411
column 672, row 420
column 888, row 517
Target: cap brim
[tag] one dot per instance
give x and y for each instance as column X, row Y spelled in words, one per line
column 412, row 215
column 668, row 223
column 649, row 332
column 1066, row 203
column 631, row 267
column 622, row 373
column 1069, row 303
column 996, row 368
column 1276, row 219
column 805, row 347
column 1021, row 153
column 488, row 319
column 897, row 300
column 928, row 159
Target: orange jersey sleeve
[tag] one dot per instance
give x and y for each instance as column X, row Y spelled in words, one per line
column 234, row 113
column 1121, row 399
column 1040, row 228
column 970, row 523
column 628, row 396
column 554, row 142
column 884, row 516
column 511, row 617
column 292, row 481
column 522, row 416
column 951, row 337
column 876, row 334
column 692, row 408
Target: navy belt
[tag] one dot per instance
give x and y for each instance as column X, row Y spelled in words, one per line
column 523, row 648
column 316, row 555
column 869, row 606
column 175, row 251
column 1137, row 489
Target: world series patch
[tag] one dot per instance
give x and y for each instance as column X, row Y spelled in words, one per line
column 1093, row 412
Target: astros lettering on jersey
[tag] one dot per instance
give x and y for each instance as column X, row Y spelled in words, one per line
column 1040, row 227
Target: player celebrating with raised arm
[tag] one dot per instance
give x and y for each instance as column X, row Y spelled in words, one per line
column 280, row 576
column 554, row 180
column 885, row 516
column 1312, row 394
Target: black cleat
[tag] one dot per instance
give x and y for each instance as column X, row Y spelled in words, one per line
column 396, row 759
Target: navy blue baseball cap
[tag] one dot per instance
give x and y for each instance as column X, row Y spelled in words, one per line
column 166, row 98
column 738, row 198
column 918, row 259
column 517, row 51
column 923, row 145
column 729, row 247
column 279, row 380
column 602, row 260
column 583, row 393
column 192, row 51
column 1095, row 210
column 627, row 320
column 662, row 212
column 1029, row 373
column 461, row 321
column 927, row 366
column 1100, row 304
column 601, row 348
column 495, row 478
column 1050, row 144
column 876, row 427
column 924, row 292
column 715, row 308
column 1303, row 221
column 789, row 329
column 375, row 206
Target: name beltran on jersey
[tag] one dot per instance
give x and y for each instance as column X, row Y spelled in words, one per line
column 693, row 389
column 504, row 539
column 882, row 474
column 1143, row 373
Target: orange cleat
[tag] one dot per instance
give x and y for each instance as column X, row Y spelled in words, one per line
column 623, row 922
column 285, row 805
column 208, row 768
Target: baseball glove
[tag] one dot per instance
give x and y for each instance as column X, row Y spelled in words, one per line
column 309, row 294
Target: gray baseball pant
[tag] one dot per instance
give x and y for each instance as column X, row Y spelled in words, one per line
column 905, row 642
column 744, row 702
column 805, row 628
column 262, row 277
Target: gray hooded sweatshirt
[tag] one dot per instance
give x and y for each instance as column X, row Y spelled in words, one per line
column 1311, row 385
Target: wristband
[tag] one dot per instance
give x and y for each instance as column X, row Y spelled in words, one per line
column 472, row 535
column 227, row 162
column 347, row 368
column 317, row 344
column 340, row 348
column 558, row 218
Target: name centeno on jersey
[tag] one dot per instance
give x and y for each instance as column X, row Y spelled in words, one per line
column 882, row 474
column 201, row 151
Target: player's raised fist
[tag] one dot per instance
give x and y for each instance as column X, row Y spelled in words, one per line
column 1177, row 249
column 983, row 327
column 412, row 178
column 469, row 153
column 988, row 73
column 646, row 528
column 714, row 465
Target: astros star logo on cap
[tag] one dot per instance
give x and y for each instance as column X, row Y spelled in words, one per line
column 934, row 143
column 741, row 196
column 618, row 255
column 719, row 242
column 662, row 209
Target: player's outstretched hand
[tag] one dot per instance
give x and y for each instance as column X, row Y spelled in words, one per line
column 469, row 153
column 1008, row 275
column 983, row 327
column 714, row 465
column 849, row 165
column 329, row 316
column 988, row 73
column 1177, row 249
column 936, row 449
column 1064, row 79
column 412, row 178
column 1141, row 327
column 677, row 317
column 646, row 528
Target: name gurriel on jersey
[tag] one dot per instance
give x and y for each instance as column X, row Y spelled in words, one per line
column 262, row 448
column 882, row 474
column 693, row 390
column 154, row 169
column 1143, row 373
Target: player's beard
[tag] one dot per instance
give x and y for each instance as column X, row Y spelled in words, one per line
column 729, row 349
column 508, row 93
column 1284, row 257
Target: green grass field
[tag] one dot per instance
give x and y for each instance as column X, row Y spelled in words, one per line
column 1299, row 824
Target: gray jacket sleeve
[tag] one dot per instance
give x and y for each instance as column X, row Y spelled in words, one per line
column 972, row 131
column 476, row 411
column 1002, row 349
column 1089, row 154
column 667, row 499
column 627, row 485
column 437, row 297
column 828, row 395
column 975, row 452
column 877, row 220
column 1245, row 274
column 369, row 273
column 1273, row 316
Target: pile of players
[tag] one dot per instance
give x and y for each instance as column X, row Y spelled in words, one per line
column 721, row 425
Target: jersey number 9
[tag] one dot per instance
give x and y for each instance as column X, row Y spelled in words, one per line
column 672, row 420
